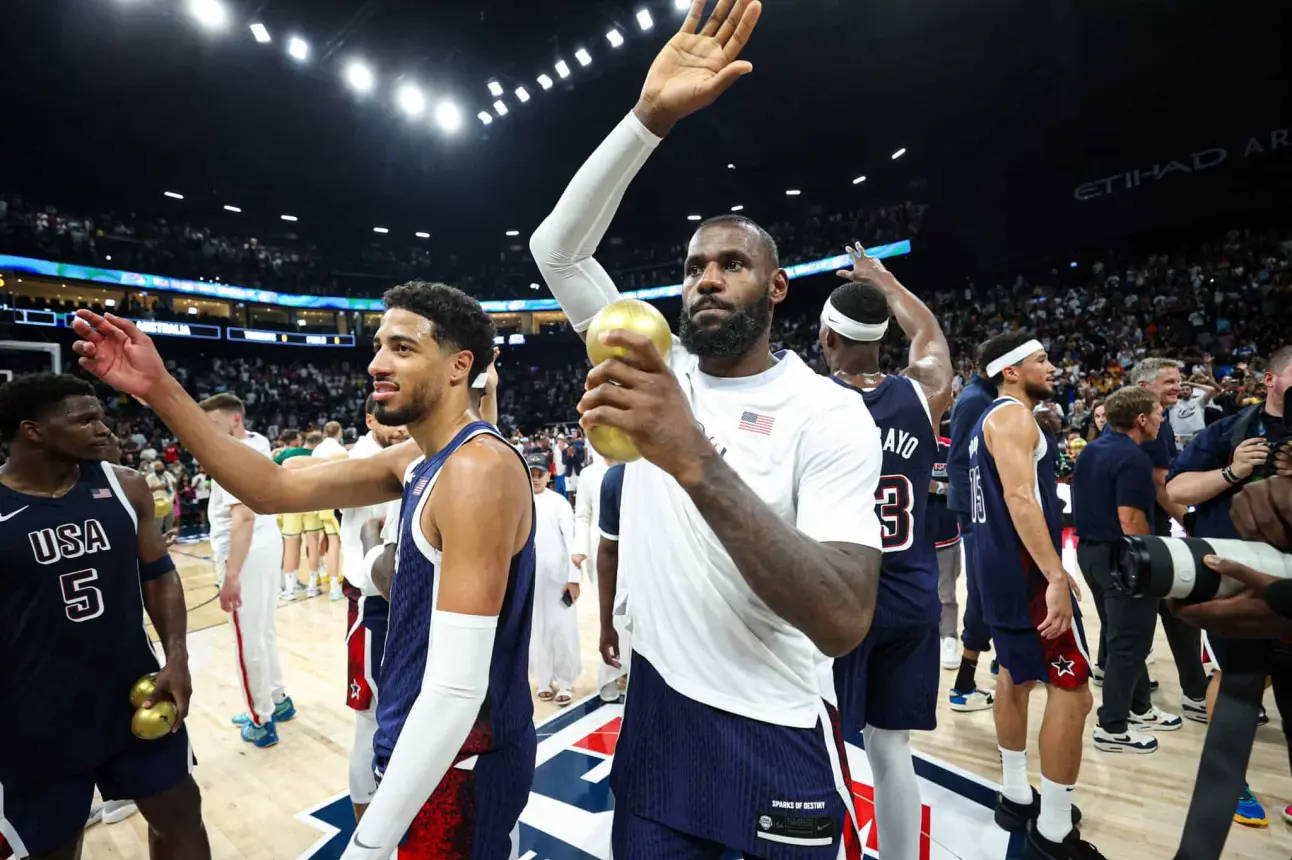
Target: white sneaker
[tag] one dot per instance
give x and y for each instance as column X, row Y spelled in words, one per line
column 975, row 700
column 312, row 590
column 336, row 593
column 1148, row 661
column 95, row 816
column 951, row 653
column 1129, row 741
column 1155, row 720
column 1194, row 709
column 118, row 810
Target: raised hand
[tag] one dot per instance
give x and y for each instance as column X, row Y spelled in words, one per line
column 117, row 352
column 698, row 65
column 865, row 268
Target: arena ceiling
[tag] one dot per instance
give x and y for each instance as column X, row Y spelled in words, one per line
column 110, row 102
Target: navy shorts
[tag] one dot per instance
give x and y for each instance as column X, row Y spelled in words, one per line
column 890, row 680
column 40, row 812
column 691, row 780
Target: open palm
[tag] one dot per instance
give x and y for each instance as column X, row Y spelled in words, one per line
column 698, row 65
column 116, row 351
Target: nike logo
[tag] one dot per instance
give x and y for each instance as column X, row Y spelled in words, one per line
column 12, row 514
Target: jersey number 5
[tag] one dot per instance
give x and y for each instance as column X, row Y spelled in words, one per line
column 81, row 601
column 894, row 500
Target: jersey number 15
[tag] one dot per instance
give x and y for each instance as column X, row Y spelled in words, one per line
column 977, row 507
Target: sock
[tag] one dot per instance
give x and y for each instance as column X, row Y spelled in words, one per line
column 1055, row 820
column 1013, row 765
column 965, row 682
column 898, row 811
column 289, row 580
column 314, row 578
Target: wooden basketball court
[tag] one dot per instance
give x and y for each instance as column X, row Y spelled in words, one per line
column 257, row 802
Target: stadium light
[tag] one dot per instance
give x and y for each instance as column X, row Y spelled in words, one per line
column 562, row 69
column 301, row 323
column 738, row 208
column 859, row 180
column 359, row 77
column 289, row 217
column 228, row 208
column 298, row 48
column 533, row 286
column 209, row 13
column 899, row 153
column 513, row 232
column 693, row 217
column 584, row 58
column 495, row 89
column 112, row 303
column 615, row 38
column 545, row 82
column 485, row 117
column 262, row 35
column 681, row 5
column 381, row 229
column 174, row 195
column 522, row 94
column 448, row 116
column 644, row 20
column 422, row 235
column 411, row 100
column 500, row 108
column 193, row 310
column 731, row 167
column 792, row 192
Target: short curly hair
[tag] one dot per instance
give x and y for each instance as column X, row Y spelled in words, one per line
column 459, row 320
column 34, row 397
column 862, row 302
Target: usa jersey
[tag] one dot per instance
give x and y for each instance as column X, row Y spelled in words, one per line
column 1008, row 576
column 72, row 637
column 943, row 528
column 507, row 715
column 908, row 582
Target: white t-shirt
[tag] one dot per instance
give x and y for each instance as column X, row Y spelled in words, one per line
column 1189, row 417
column 219, row 512
column 352, row 520
column 811, row 451
column 329, row 449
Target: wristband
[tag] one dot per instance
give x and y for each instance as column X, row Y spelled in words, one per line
column 1230, row 478
column 151, row 570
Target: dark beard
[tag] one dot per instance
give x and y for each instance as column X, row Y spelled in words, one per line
column 395, row 417
column 738, row 333
column 1036, row 394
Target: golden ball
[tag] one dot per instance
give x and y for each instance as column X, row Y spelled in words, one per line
column 613, row 443
column 630, row 315
column 155, row 722
column 142, row 689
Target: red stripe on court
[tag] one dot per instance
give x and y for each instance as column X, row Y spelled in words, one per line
column 242, row 670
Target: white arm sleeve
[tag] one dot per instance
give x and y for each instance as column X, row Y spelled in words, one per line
column 564, row 243
column 453, row 688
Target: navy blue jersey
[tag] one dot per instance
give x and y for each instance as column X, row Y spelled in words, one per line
column 507, row 714
column 908, row 582
column 943, row 528
column 612, row 491
column 72, row 637
column 1007, row 574
column 977, row 395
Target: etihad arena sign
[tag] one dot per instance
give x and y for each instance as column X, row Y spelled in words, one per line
column 1184, row 164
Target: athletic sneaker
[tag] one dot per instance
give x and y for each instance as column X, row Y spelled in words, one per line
column 1097, row 675
column 96, row 815
column 312, row 589
column 1073, row 847
column 118, row 810
column 974, row 700
column 1155, row 720
column 1194, row 709
column 1129, row 741
column 1262, row 719
column 335, row 593
column 950, row 653
column 995, row 667
column 283, row 712
column 261, row 736
column 1013, row 816
column 1249, row 812
column 291, row 587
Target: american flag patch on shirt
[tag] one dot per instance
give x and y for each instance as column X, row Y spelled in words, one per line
column 421, row 485
column 103, row 493
column 755, row 423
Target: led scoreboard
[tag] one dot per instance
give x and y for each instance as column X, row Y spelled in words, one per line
column 287, row 338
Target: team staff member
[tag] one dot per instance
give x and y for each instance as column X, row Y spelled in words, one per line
column 944, row 529
column 1113, row 496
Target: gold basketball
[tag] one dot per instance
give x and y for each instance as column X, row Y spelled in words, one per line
column 155, row 722
column 630, row 315
column 142, row 689
column 613, row 443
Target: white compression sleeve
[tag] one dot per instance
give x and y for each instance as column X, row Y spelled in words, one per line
column 564, row 243
column 898, row 809
column 363, row 782
column 453, row 688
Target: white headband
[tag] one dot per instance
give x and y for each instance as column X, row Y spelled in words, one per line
column 849, row 327
column 1014, row 356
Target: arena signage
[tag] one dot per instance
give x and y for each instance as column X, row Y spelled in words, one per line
column 288, row 338
column 230, row 292
column 1183, row 164
column 177, row 329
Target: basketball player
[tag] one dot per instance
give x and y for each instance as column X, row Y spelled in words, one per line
column 1028, row 599
column 247, row 553
column 612, row 591
column 291, row 525
column 454, row 679
column 760, row 545
column 888, row 685
column 554, row 644
column 84, row 561
column 367, row 616
column 587, row 541
column 331, row 448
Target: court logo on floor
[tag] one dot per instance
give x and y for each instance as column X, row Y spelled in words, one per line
column 570, row 805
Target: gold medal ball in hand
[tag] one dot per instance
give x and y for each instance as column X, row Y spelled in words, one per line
column 142, row 690
column 155, row 722
column 630, row 315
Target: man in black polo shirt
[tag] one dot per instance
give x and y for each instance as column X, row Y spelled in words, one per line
column 1113, row 494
